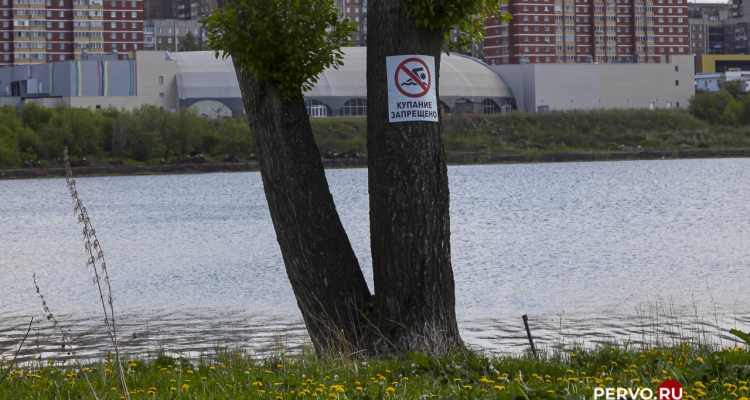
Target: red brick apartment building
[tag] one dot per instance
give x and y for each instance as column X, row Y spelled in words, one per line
column 571, row 31
column 38, row 31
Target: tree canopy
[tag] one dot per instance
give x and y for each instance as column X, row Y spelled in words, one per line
column 285, row 42
column 468, row 16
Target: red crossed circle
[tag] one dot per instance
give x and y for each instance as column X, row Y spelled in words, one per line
column 402, row 68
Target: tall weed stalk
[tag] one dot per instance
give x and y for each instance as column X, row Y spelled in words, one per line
column 99, row 266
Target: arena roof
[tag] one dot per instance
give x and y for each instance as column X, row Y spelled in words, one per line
column 461, row 77
column 202, row 76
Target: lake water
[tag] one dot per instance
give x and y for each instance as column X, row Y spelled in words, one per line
column 592, row 252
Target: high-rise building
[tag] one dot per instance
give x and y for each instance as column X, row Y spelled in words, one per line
column 179, row 9
column 355, row 10
column 160, row 9
column 577, row 31
column 170, row 34
column 719, row 28
column 37, row 31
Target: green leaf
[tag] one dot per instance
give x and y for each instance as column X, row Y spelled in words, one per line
column 742, row 335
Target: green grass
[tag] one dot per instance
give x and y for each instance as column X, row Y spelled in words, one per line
column 703, row 372
column 519, row 132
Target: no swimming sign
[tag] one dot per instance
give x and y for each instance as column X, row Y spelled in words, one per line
column 411, row 88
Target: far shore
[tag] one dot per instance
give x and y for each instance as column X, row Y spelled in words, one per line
column 361, row 162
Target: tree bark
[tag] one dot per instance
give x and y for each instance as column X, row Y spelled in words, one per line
column 328, row 283
column 409, row 216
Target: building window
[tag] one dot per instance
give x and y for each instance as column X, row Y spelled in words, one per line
column 161, row 80
column 677, row 83
column 676, row 68
column 161, row 95
column 354, row 108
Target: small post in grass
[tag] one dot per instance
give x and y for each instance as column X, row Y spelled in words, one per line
column 528, row 333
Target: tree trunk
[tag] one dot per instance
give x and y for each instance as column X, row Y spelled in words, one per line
column 328, row 283
column 408, row 183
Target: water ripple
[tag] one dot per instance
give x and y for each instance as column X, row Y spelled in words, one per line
column 641, row 251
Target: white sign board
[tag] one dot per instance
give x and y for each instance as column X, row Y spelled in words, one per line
column 411, row 88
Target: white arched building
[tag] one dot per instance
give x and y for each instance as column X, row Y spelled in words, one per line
column 467, row 85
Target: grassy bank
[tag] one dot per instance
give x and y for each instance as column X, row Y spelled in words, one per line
column 147, row 135
column 608, row 130
column 704, row 373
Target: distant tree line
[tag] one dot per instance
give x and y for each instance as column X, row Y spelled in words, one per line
column 729, row 106
column 144, row 134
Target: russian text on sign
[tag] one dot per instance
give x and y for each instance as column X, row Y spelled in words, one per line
column 411, row 88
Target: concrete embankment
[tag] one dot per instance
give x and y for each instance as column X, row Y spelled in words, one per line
column 452, row 159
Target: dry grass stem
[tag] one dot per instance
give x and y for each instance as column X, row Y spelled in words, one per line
column 65, row 337
column 99, row 266
column 15, row 356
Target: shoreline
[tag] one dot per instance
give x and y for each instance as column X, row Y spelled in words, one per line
column 452, row 159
